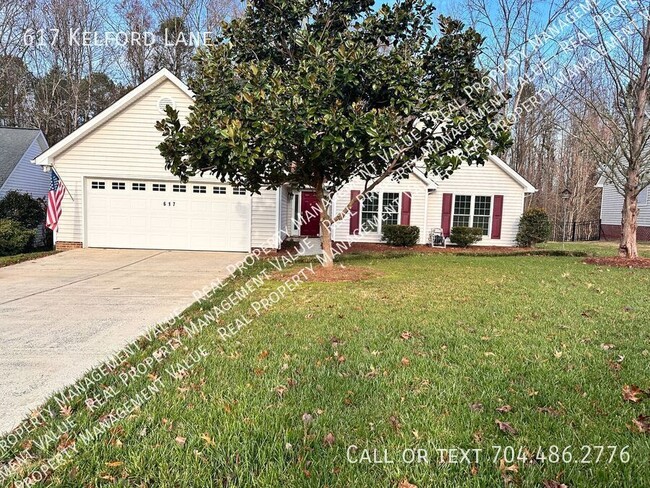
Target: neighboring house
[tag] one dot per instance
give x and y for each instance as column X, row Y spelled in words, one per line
column 611, row 212
column 124, row 197
column 17, row 148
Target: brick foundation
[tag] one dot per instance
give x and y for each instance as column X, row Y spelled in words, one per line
column 613, row 232
column 66, row 246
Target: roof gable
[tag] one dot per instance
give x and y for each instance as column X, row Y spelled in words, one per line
column 14, row 143
column 122, row 104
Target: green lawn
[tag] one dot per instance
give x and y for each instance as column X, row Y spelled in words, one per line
column 597, row 248
column 19, row 258
column 390, row 363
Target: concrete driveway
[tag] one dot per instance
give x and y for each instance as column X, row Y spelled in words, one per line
column 63, row 314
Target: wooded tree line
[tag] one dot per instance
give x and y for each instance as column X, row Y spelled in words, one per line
column 575, row 71
column 50, row 78
column 586, row 65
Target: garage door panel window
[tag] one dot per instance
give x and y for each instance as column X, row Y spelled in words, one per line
column 98, row 185
column 158, row 187
column 219, row 190
column 472, row 211
column 139, row 187
column 238, row 191
column 118, row 185
column 179, row 188
column 199, row 189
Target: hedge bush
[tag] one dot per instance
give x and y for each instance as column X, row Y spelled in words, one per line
column 465, row 236
column 14, row 238
column 401, row 235
column 23, row 208
column 534, row 227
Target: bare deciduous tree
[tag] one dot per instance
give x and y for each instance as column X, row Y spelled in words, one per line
column 617, row 95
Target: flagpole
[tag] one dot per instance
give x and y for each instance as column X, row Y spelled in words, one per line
column 66, row 186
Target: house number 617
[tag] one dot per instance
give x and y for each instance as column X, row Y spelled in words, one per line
column 169, row 204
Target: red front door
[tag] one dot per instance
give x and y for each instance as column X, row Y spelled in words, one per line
column 309, row 214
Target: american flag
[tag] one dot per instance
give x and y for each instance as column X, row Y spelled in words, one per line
column 54, row 199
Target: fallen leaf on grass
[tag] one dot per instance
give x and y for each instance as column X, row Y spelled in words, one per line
column 329, row 440
column 406, row 335
column 208, row 440
column 180, row 440
column 504, row 409
column 614, row 366
column 631, row 393
column 394, row 421
column 264, row 354
column 114, row 464
column 476, row 407
column 405, row 361
column 548, row 410
column 553, row 484
column 642, row 424
column 506, row 427
column 477, row 436
column 406, row 484
column 65, row 441
column 66, row 411
column 607, row 347
column 504, row 468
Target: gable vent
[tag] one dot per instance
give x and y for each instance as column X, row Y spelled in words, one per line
column 163, row 102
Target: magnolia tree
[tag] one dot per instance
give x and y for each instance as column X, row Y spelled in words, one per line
column 315, row 93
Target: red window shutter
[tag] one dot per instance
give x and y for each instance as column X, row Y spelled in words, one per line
column 355, row 214
column 405, row 218
column 497, row 217
column 446, row 213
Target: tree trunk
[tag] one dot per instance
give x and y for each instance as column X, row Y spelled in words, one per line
column 325, row 227
column 627, row 248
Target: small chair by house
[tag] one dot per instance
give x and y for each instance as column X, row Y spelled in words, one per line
column 438, row 238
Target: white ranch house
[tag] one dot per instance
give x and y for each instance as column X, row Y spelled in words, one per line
column 124, row 197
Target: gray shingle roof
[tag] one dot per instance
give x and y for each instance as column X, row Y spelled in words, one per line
column 14, row 143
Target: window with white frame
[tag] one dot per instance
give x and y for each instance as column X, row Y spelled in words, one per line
column 472, row 211
column 370, row 212
column 390, row 208
column 118, row 185
column 138, row 187
column 98, row 185
column 219, row 190
column 481, row 214
column 462, row 211
column 199, row 189
column 378, row 209
column 179, row 188
column 159, row 187
column 238, row 191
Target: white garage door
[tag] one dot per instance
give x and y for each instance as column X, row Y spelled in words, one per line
column 136, row 214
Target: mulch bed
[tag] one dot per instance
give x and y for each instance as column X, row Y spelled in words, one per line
column 373, row 247
column 615, row 262
column 336, row 274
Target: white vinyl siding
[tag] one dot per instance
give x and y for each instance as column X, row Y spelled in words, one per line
column 487, row 180
column 125, row 146
column 265, row 219
column 27, row 177
column 412, row 184
column 612, row 207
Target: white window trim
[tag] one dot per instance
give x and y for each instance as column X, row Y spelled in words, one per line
column 471, row 211
column 380, row 210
